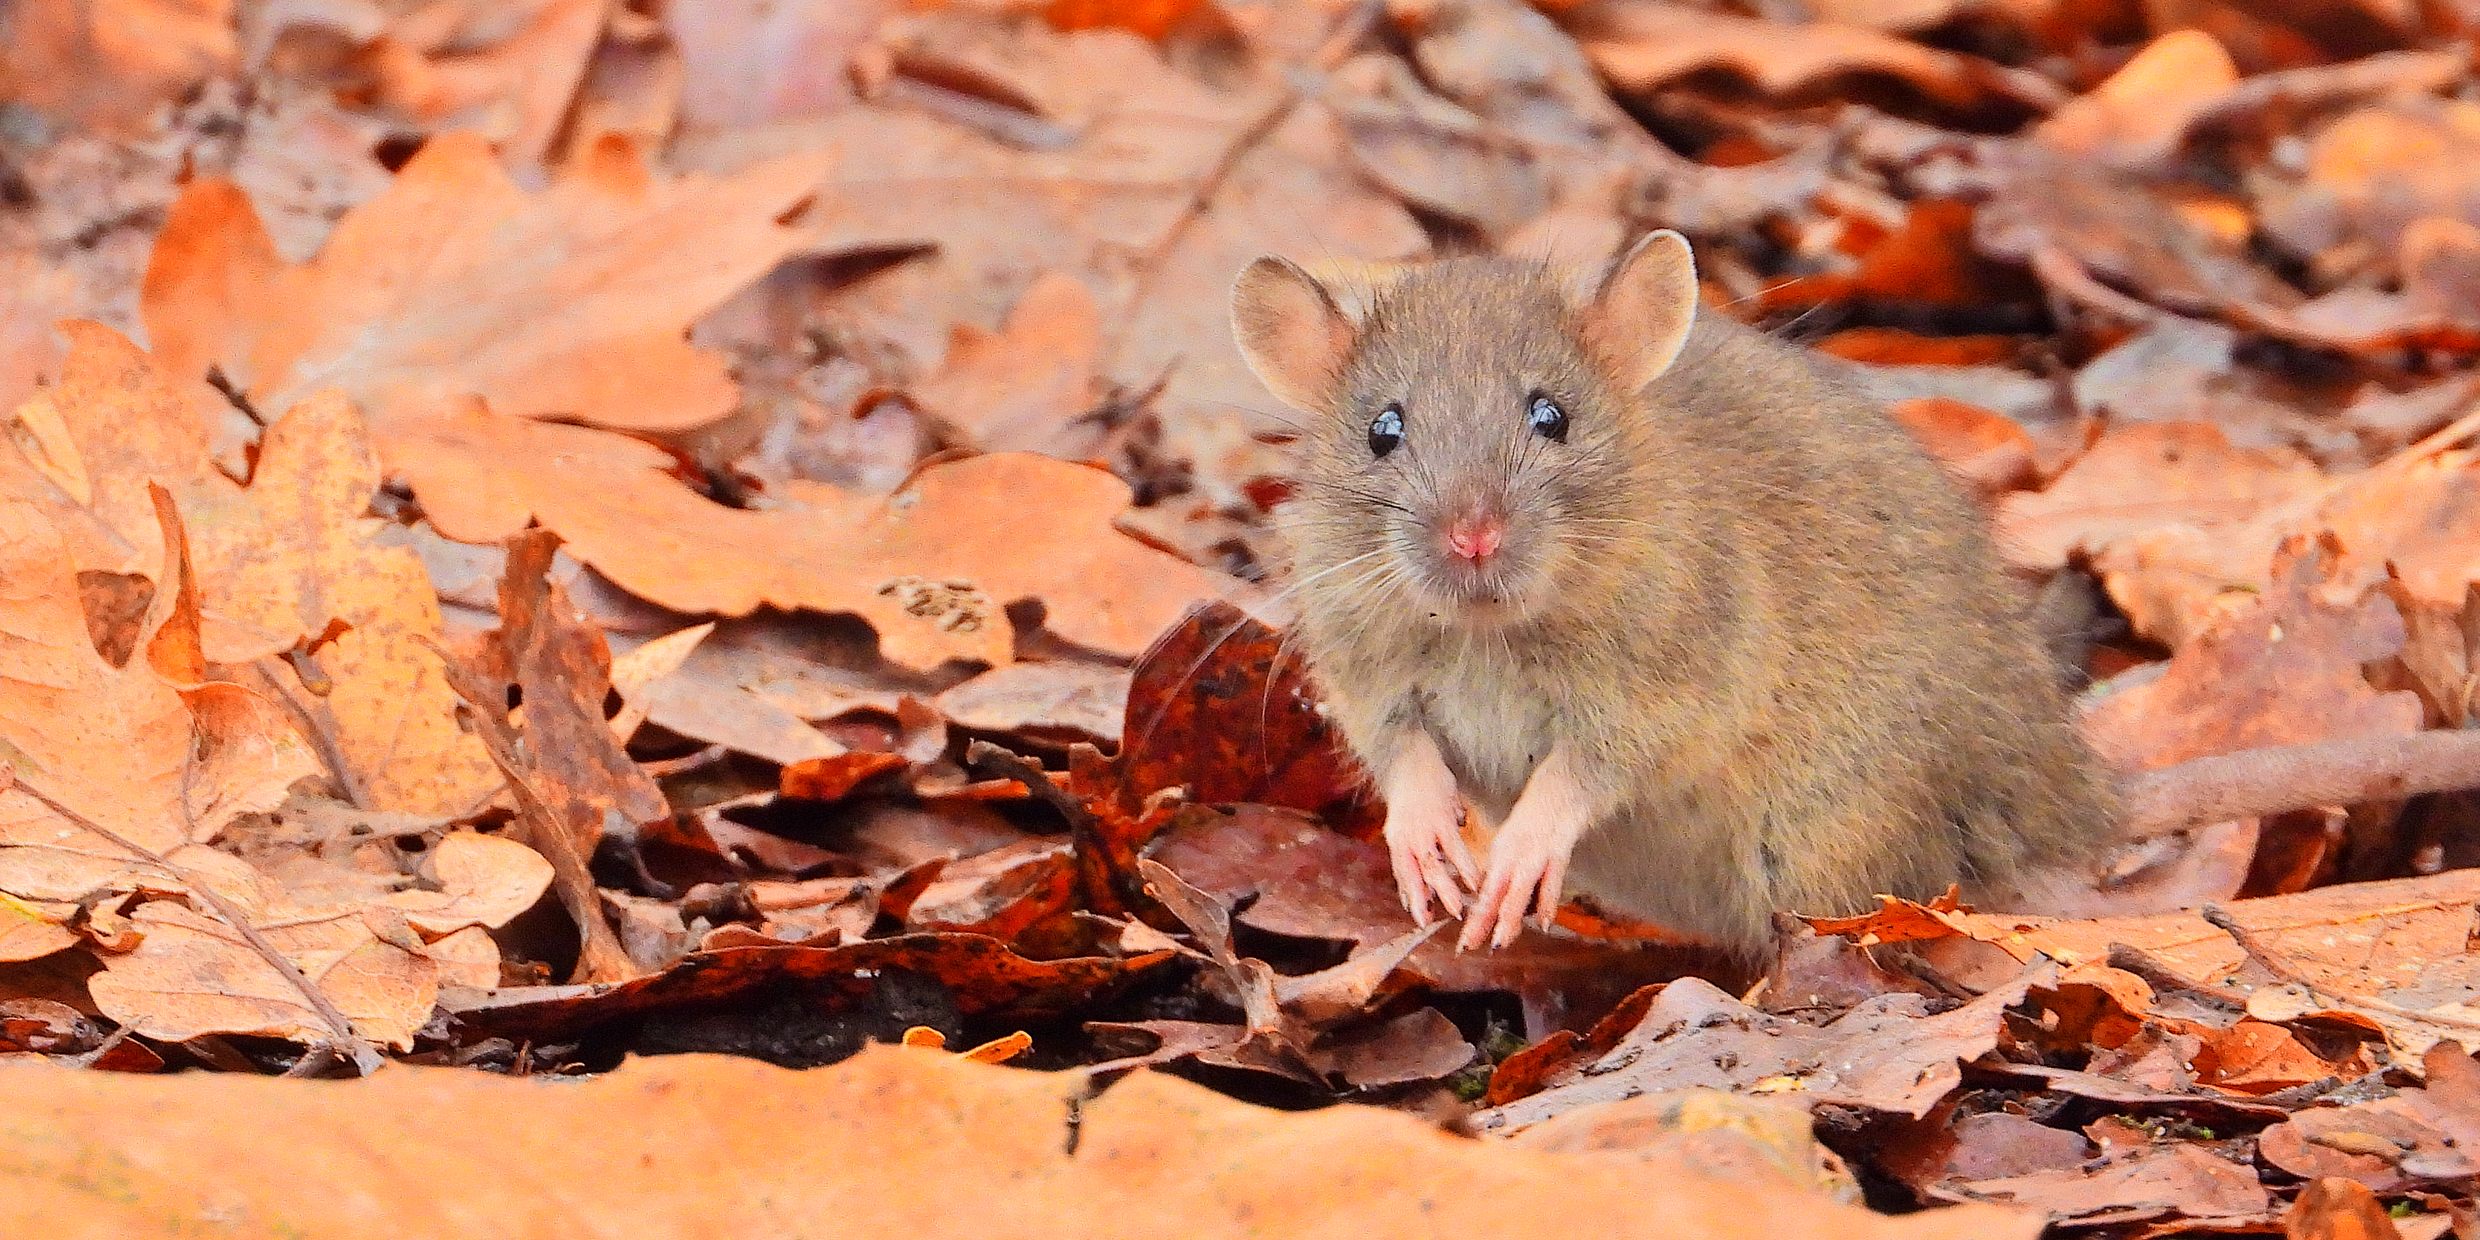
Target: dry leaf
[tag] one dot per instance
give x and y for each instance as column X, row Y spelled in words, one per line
column 113, row 744
column 195, row 975
column 280, row 562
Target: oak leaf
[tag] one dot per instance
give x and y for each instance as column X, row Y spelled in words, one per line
column 280, row 560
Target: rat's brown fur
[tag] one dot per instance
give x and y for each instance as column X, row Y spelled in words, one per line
column 1751, row 608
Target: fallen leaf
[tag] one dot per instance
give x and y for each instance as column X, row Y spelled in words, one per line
column 118, row 746
column 2136, row 118
column 1087, row 700
column 2333, row 1208
column 1022, row 388
column 1312, row 882
column 2142, row 477
column 2382, row 1144
column 2177, row 1179
column 931, row 567
column 1219, row 665
column 1761, row 1143
column 571, row 303
column 110, row 64
column 981, row 1138
column 280, row 561
column 1886, row 1054
column 1641, row 45
column 2280, row 668
column 1988, row 453
column 193, row 975
column 483, row 881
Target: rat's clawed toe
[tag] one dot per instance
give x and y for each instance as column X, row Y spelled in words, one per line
column 1427, row 853
column 1424, row 832
column 1497, row 914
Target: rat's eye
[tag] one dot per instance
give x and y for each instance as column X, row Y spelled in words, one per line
column 1386, row 432
column 1547, row 419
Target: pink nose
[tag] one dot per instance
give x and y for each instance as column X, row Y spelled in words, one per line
column 1476, row 538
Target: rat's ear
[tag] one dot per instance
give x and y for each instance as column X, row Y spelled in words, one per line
column 1639, row 318
column 1291, row 332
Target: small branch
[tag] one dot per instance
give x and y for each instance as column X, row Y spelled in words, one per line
column 2282, row 778
column 600, row 957
column 340, row 1026
column 2282, row 970
column 318, row 726
column 2065, row 275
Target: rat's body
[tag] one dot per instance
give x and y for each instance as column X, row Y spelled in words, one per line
column 1646, row 588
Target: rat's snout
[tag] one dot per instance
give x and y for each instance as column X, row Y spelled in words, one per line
column 1476, row 535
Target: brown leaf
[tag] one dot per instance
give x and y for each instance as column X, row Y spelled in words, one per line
column 1020, row 389
column 1763, row 1144
column 931, row 567
column 569, row 304
column 2333, row 1208
column 1312, row 882
column 2278, row 669
column 1004, row 893
column 194, row 975
column 120, row 746
column 482, row 880
column 2173, row 1178
column 1434, row 153
column 1419, row 1045
column 1988, row 1146
column 1085, row 700
column 834, row 778
column 1219, row 706
column 571, row 779
column 1984, row 451
column 110, row 64
column 2145, row 476
column 1929, row 259
column 1885, row 1055
column 521, row 80
column 1156, row 1155
column 2136, row 118
column 2253, row 1057
column 1641, row 45
column 281, row 563
column 2382, row 1144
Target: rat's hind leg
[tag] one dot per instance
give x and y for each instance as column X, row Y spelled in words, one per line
column 1528, row 856
column 1424, row 816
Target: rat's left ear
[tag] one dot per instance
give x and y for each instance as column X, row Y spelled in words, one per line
column 1639, row 318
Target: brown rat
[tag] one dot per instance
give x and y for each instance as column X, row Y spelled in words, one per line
column 1704, row 633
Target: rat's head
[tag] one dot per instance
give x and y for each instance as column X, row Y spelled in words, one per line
column 1473, row 433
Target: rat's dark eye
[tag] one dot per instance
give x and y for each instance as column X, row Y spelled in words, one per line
column 1547, row 419
column 1386, row 432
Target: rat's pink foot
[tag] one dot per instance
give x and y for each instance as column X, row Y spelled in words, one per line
column 1424, row 814
column 1528, row 857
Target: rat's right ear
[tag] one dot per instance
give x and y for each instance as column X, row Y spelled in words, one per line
column 1291, row 332
column 1639, row 318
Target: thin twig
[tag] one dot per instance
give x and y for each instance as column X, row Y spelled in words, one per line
column 2282, row 970
column 600, row 957
column 703, row 758
column 340, row 1025
column 318, row 726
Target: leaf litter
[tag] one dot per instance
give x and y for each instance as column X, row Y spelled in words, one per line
column 543, row 535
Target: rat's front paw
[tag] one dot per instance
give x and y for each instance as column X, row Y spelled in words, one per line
column 1425, row 845
column 1520, row 878
column 1424, row 832
column 1528, row 857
